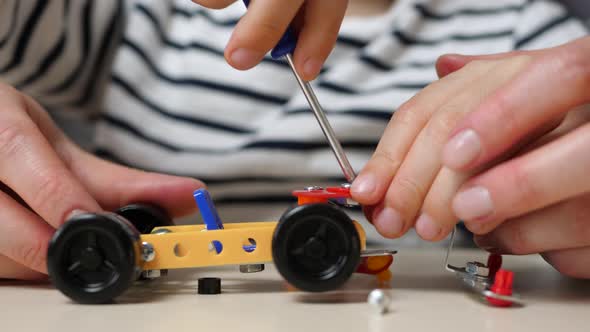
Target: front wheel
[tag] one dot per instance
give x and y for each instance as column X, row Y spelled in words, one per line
column 92, row 257
column 316, row 247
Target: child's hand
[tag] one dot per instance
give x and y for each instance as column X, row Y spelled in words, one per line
column 507, row 101
column 44, row 178
column 318, row 24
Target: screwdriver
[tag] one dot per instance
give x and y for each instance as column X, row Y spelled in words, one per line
column 285, row 48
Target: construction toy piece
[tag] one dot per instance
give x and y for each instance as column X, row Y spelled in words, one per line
column 209, row 286
column 314, row 195
column 92, row 258
column 502, row 286
column 316, row 247
column 375, row 264
column 494, row 264
column 209, row 214
column 190, row 246
column 95, row 257
column 145, row 217
column 384, row 279
column 207, row 209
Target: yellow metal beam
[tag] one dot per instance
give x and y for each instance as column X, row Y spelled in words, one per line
column 191, row 246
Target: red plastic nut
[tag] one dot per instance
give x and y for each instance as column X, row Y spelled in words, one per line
column 321, row 195
column 502, row 286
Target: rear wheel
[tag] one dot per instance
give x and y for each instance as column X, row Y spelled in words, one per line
column 145, row 217
column 316, row 248
column 92, row 257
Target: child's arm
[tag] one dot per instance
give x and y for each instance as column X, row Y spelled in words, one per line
column 318, row 24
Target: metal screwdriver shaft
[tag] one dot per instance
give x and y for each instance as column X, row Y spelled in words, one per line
column 285, row 47
column 320, row 115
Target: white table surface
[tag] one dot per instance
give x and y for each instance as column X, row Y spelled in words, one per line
column 425, row 297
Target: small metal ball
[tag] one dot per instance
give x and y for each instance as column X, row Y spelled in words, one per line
column 379, row 300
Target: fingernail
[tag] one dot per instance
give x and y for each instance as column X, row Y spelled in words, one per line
column 475, row 228
column 75, row 213
column 365, row 184
column 473, row 203
column 427, row 228
column 245, row 59
column 389, row 222
column 462, row 149
column 312, row 67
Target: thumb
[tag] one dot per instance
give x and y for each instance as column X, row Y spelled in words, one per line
column 114, row 186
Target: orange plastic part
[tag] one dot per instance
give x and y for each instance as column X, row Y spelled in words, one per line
column 375, row 264
column 192, row 245
column 384, row 279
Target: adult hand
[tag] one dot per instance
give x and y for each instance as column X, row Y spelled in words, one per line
column 537, row 202
column 405, row 182
column 45, row 178
column 261, row 28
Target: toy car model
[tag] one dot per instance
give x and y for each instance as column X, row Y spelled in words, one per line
column 316, row 247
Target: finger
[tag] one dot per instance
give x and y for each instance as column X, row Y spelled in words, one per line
column 214, row 4
column 24, row 237
column 450, row 63
column 560, row 127
column 259, row 30
column 561, row 226
column 422, row 163
column 437, row 218
column 321, row 24
column 372, row 182
column 555, row 172
column 112, row 185
column 115, row 186
column 552, row 85
column 574, row 263
column 10, row 269
column 31, row 167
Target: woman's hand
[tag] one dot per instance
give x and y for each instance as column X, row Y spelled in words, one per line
column 491, row 106
column 560, row 232
column 539, row 201
column 261, row 28
column 45, row 178
column 404, row 183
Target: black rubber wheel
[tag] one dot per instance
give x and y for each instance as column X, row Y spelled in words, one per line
column 145, row 217
column 92, row 257
column 316, row 247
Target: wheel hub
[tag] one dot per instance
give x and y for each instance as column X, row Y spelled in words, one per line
column 91, row 258
column 315, row 248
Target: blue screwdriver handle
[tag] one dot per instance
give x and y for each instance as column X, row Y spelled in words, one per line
column 287, row 43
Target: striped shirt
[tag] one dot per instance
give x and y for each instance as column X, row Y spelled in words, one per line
column 151, row 78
